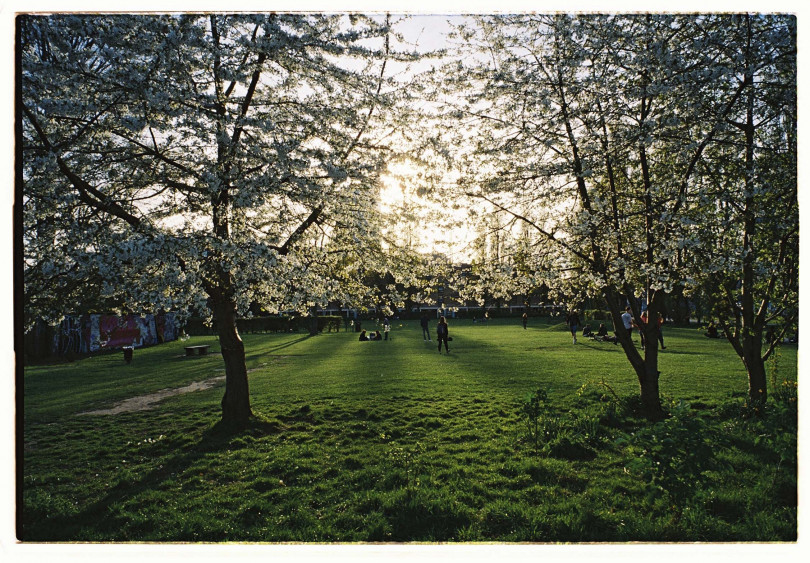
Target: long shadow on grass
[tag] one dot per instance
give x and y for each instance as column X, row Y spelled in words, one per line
column 607, row 347
column 490, row 363
column 96, row 520
column 287, row 344
column 600, row 346
column 366, row 367
column 670, row 352
column 264, row 353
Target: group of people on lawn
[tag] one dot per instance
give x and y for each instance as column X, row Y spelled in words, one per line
column 373, row 336
column 443, row 333
column 628, row 323
column 376, row 334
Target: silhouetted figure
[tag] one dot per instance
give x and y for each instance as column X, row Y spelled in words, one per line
column 573, row 324
column 424, row 321
column 442, row 334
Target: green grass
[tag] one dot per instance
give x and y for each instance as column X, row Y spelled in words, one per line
column 392, row 441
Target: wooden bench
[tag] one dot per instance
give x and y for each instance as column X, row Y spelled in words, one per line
column 200, row 350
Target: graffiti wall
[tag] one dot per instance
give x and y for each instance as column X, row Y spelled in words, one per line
column 107, row 331
column 166, row 327
column 111, row 331
column 92, row 333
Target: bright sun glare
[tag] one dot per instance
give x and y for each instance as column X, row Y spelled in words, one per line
column 392, row 191
column 429, row 225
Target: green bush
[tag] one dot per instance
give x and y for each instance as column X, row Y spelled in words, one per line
column 673, row 456
column 330, row 323
column 564, row 437
column 197, row 327
column 281, row 323
column 596, row 315
column 267, row 324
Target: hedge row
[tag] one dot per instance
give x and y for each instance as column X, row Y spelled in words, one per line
column 196, row 326
column 596, row 314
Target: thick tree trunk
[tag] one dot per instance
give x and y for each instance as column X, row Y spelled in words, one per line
column 313, row 321
column 236, row 402
column 755, row 366
column 650, row 399
column 752, row 323
column 646, row 368
column 649, row 375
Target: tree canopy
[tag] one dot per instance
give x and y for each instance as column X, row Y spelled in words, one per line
column 612, row 137
column 177, row 162
column 211, row 162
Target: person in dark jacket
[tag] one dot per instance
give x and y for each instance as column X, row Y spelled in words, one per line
column 573, row 324
column 425, row 331
column 442, row 334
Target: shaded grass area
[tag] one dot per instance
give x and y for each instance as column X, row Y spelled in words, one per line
column 391, row 441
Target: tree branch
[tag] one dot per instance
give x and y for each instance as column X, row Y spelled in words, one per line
column 87, row 193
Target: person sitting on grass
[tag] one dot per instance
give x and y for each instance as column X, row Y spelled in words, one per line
column 711, row 331
column 602, row 335
column 363, row 337
column 376, row 335
column 587, row 332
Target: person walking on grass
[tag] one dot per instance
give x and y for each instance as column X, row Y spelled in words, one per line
column 525, row 320
column 425, row 330
column 573, row 324
column 442, row 334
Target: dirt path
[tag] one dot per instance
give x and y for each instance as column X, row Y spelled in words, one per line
column 146, row 402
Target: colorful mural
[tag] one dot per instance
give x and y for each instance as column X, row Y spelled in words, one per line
column 92, row 333
column 110, row 331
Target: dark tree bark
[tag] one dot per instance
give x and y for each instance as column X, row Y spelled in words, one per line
column 236, row 401
column 646, row 367
column 313, row 320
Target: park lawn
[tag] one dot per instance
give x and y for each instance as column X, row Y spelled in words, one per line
column 392, row 441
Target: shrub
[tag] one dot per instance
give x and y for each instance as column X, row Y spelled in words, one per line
column 197, row 327
column 330, row 323
column 568, row 437
column 531, row 410
column 672, row 456
column 596, row 314
column 280, row 323
column 267, row 324
column 783, row 389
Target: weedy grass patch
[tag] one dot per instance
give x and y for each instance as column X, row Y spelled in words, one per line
column 515, row 436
